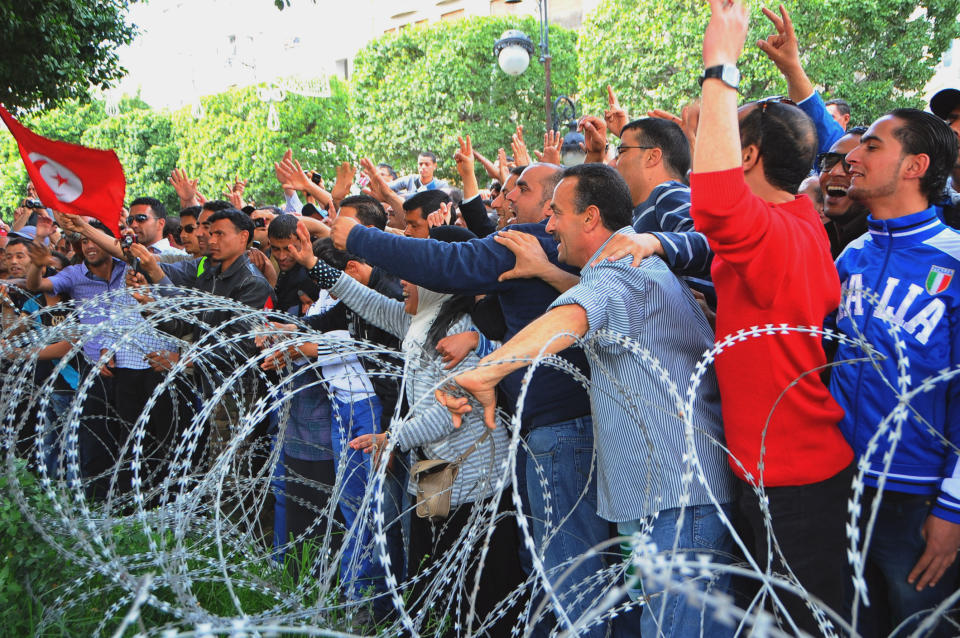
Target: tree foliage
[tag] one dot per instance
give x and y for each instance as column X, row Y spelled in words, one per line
column 420, row 88
column 232, row 139
column 54, row 50
column 876, row 54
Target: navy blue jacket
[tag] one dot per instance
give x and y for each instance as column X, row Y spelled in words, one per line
column 910, row 264
column 472, row 268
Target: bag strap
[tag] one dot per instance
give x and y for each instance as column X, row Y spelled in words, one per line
column 473, row 448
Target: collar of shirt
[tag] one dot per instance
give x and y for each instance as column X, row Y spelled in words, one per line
column 626, row 230
column 116, row 273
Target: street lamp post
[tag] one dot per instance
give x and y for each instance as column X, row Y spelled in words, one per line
column 508, row 47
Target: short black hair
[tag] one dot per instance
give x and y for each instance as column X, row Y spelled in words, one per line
column 155, row 205
column 216, row 205
column 370, row 212
column 283, row 227
column 602, row 186
column 16, row 240
column 99, row 225
column 842, row 105
column 191, row 211
column 856, row 130
column 668, row 137
column 59, row 256
column 172, row 229
column 389, row 168
column 517, row 170
column 925, row 133
column 426, row 201
column 240, row 220
column 786, row 139
column 324, row 249
column 430, row 154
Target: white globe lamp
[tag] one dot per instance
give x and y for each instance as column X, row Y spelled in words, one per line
column 513, row 51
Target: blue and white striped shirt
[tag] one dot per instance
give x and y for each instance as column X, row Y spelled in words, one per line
column 666, row 214
column 639, row 438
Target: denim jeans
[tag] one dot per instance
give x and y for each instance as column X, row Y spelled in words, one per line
column 564, row 451
column 53, row 434
column 358, row 568
column 702, row 531
column 895, row 547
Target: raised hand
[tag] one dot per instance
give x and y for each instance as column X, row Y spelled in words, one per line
column 466, row 166
column 290, row 172
column 520, row 154
column 726, row 32
column 454, row 348
column 441, row 216
column 594, row 137
column 346, row 173
column 552, row 142
column 782, row 48
column 615, row 117
column 185, row 187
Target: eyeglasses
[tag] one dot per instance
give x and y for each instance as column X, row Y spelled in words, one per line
column 623, row 146
column 188, row 229
column 142, row 217
column 826, row 161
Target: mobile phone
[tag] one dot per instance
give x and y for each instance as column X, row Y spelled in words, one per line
column 316, row 178
column 255, row 244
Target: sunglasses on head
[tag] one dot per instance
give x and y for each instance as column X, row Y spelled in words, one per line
column 142, row 217
column 826, row 161
column 773, row 99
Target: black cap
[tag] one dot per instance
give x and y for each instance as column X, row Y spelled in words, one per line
column 944, row 102
column 248, row 209
column 309, row 210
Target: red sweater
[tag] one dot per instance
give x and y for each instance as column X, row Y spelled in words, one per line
column 772, row 265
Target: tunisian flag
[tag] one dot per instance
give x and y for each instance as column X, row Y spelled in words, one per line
column 72, row 178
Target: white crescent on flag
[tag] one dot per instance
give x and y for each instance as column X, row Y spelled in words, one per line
column 62, row 181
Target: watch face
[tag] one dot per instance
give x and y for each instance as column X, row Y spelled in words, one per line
column 730, row 75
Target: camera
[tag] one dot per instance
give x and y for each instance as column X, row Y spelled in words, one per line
column 33, row 203
column 259, row 222
column 126, row 241
column 316, row 178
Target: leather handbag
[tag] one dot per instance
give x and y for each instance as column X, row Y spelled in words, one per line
column 434, row 479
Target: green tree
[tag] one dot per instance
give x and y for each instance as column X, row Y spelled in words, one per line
column 876, row 54
column 232, row 139
column 420, row 88
column 144, row 142
column 55, row 50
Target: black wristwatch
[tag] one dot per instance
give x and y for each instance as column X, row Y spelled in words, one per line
column 729, row 74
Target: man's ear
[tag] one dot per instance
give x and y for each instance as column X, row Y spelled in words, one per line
column 655, row 157
column 750, row 155
column 591, row 218
column 915, row 166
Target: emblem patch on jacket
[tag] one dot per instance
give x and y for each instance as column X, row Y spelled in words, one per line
column 938, row 279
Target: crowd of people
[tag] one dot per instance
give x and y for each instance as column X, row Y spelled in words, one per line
column 797, row 272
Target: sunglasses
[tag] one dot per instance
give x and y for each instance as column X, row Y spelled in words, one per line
column 142, row 217
column 188, row 229
column 623, row 146
column 826, row 161
column 773, row 99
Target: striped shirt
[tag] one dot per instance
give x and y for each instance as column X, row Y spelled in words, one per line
column 118, row 312
column 666, row 214
column 640, row 440
column 429, row 425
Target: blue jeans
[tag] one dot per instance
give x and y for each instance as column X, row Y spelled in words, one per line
column 702, row 531
column 53, row 436
column 358, row 568
column 563, row 451
column 895, row 547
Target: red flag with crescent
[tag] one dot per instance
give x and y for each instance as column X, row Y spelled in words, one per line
column 71, row 178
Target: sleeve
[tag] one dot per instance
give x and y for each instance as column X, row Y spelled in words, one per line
column 62, row 282
column 475, row 216
column 383, row 312
column 947, row 505
column 254, row 292
column 470, row 267
column 687, row 253
column 484, row 345
column 744, row 231
column 601, row 294
column 333, row 319
column 828, row 131
column 293, row 204
column 181, row 273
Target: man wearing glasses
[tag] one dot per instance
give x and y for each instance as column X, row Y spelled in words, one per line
column 147, row 218
column 847, row 218
column 772, row 267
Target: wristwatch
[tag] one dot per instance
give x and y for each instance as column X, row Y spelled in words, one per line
column 729, row 74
